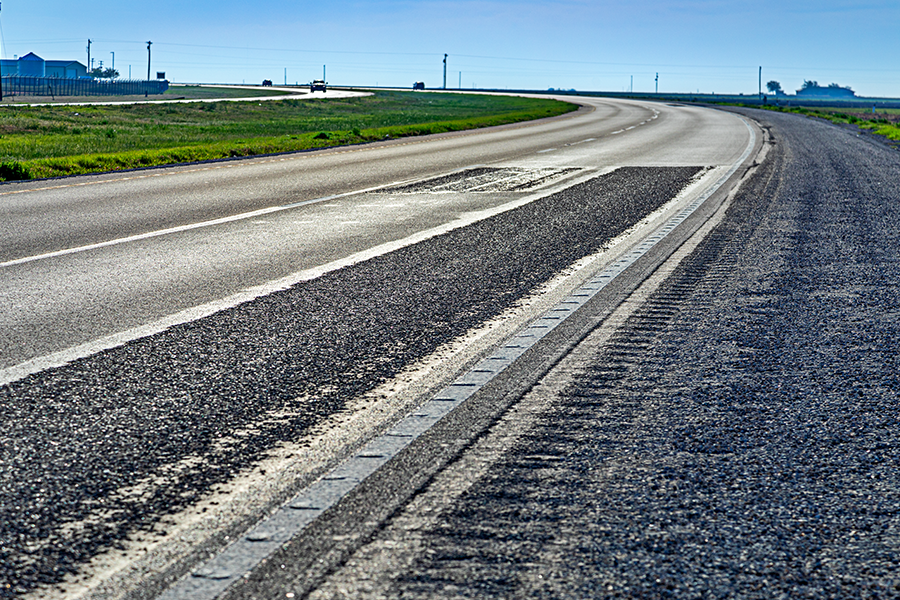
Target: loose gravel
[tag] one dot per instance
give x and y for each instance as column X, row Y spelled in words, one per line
column 738, row 438
column 87, row 450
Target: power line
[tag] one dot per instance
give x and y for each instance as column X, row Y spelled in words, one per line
column 649, row 66
column 294, row 50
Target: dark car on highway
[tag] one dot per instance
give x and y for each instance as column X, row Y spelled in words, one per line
column 419, row 85
column 317, row 85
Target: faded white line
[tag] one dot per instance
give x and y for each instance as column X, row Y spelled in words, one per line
column 582, row 142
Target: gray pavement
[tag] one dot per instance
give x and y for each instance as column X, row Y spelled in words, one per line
column 88, row 448
column 737, row 437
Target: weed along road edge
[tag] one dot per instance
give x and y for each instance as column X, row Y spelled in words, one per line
column 188, row 349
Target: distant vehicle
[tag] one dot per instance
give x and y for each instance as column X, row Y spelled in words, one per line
column 267, row 82
column 317, row 85
column 419, row 85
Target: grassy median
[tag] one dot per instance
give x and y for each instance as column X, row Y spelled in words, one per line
column 50, row 141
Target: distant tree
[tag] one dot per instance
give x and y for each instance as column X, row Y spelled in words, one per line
column 834, row 86
column 774, row 87
column 807, row 84
column 101, row 73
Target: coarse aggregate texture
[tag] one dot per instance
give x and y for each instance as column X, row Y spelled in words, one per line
column 88, row 451
column 738, row 438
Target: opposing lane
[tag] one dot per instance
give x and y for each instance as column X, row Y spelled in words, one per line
column 56, row 303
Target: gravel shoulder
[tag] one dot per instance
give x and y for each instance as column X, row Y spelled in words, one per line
column 736, row 438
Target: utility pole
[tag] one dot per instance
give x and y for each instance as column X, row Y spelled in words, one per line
column 445, row 71
column 325, row 79
column 460, row 80
column 760, row 83
column 657, row 83
column 148, row 59
column 114, row 60
column 89, row 54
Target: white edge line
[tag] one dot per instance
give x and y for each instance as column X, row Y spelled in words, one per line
column 62, row 357
column 212, row 577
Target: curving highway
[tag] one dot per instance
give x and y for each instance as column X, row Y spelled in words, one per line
column 84, row 258
column 186, row 349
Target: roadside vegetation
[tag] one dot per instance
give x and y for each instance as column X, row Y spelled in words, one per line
column 885, row 122
column 49, row 141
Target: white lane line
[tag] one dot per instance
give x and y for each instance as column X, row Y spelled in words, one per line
column 67, row 355
column 245, row 554
column 183, row 228
column 547, row 150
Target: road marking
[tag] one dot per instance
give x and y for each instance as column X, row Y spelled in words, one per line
column 245, row 554
column 190, row 227
column 67, row 355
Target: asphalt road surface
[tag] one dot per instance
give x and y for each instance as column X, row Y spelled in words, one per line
column 186, row 349
column 734, row 434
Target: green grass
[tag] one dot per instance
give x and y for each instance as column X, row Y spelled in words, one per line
column 48, row 141
column 885, row 122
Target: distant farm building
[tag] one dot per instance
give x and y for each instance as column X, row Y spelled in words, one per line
column 31, row 75
column 32, row 65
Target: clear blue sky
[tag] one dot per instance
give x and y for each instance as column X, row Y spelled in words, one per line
column 694, row 45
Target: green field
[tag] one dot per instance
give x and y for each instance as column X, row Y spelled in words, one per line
column 49, row 141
